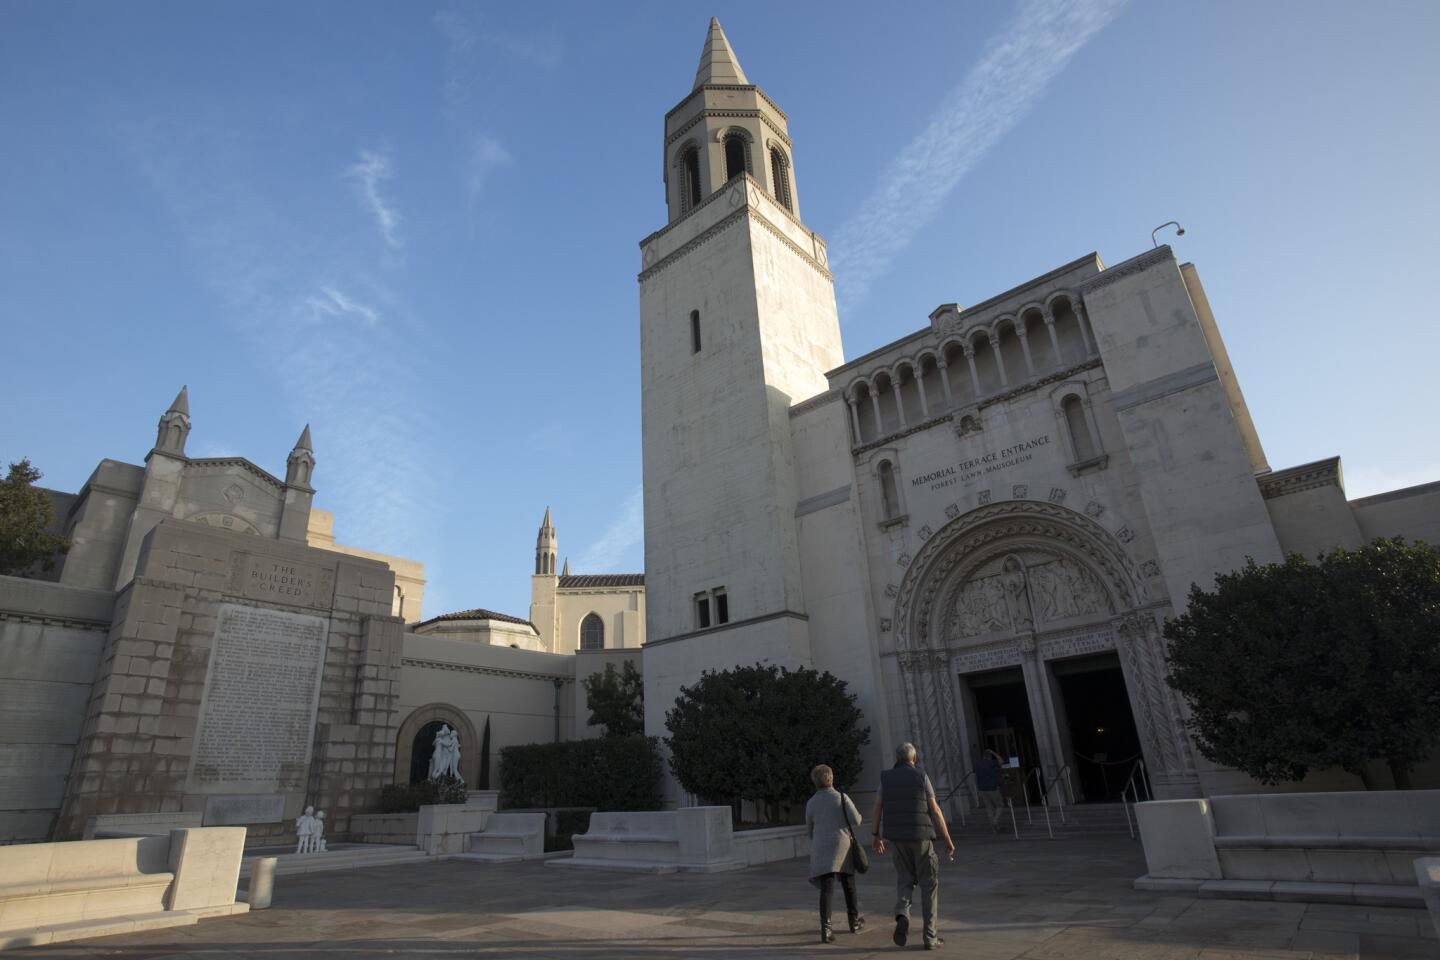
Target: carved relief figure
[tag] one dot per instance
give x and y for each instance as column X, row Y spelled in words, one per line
column 1017, row 594
column 445, row 758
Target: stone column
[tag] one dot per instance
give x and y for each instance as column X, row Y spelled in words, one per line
column 942, row 369
column 1054, row 340
column 875, row 405
column 1024, row 336
column 899, row 403
column 1042, row 708
column 1162, row 736
column 1079, row 310
column 999, row 360
column 974, row 374
column 854, row 418
column 920, row 391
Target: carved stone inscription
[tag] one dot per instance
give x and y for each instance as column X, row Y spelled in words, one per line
column 282, row 581
column 257, row 713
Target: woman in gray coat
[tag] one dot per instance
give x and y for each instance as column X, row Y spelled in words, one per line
column 830, row 848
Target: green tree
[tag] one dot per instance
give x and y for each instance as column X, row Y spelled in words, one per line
column 754, row 733
column 616, row 699
column 1296, row 666
column 25, row 518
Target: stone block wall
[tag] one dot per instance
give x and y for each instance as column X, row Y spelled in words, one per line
column 138, row 738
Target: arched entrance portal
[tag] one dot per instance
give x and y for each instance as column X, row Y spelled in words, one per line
column 1025, row 627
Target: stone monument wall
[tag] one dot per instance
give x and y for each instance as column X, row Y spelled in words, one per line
column 244, row 679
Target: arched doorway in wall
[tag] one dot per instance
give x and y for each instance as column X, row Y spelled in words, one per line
column 415, row 741
column 1018, row 624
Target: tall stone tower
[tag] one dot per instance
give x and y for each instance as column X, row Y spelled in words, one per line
column 737, row 324
column 544, row 583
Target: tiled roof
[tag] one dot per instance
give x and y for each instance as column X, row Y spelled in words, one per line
column 475, row 614
column 603, row 580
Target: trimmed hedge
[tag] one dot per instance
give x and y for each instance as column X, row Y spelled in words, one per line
column 408, row 797
column 608, row 773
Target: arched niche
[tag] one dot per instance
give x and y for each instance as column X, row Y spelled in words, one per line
column 405, row 742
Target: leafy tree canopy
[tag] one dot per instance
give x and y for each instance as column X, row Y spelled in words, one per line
column 616, row 699
column 1297, row 666
column 25, row 518
column 754, row 733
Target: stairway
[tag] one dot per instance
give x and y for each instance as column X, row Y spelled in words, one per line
column 340, row 857
column 1081, row 820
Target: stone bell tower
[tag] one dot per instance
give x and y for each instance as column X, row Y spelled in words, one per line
column 737, row 324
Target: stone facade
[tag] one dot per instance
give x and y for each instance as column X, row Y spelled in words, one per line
column 982, row 526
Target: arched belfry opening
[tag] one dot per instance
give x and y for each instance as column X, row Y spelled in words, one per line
column 736, row 156
column 1025, row 627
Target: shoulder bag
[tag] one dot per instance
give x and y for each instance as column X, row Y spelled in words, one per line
column 859, row 857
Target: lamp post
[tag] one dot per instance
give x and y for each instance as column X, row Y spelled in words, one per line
column 1179, row 231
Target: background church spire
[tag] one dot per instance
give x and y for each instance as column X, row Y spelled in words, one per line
column 174, row 426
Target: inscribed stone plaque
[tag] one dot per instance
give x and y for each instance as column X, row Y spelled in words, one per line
column 284, row 581
column 230, row 810
column 257, row 713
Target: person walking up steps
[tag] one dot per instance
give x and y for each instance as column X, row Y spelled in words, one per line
column 907, row 819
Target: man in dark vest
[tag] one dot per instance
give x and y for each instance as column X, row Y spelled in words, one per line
column 908, row 819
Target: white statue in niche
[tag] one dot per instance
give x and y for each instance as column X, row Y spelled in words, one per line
column 445, row 758
column 305, row 830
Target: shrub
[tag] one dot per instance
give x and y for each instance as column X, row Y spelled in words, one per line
column 408, row 797
column 610, row 773
column 753, row 733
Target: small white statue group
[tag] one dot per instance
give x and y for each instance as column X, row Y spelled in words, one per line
column 310, row 827
column 445, row 760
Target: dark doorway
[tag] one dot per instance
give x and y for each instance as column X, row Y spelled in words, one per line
column 1005, row 726
column 1103, row 737
column 422, row 750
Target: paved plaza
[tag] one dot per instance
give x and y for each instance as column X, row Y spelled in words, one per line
column 1069, row 900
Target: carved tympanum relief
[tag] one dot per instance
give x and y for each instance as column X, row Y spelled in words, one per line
column 1019, row 593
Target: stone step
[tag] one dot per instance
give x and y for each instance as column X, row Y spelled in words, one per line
column 350, row 858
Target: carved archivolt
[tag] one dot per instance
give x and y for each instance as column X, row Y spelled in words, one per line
column 1077, row 568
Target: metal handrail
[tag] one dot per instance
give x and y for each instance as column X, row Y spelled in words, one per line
column 1069, row 784
column 1014, row 827
column 955, row 790
column 1039, row 788
column 1132, row 786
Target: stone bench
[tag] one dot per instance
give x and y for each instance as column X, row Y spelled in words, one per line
column 509, row 836
column 112, row 825
column 1357, row 847
column 65, row 891
column 693, row 839
column 1427, row 875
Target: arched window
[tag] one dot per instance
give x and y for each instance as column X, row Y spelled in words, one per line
column 592, row 632
column 780, row 177
column 1080, row 438
column 889, row 495
column 735, row 151
column 690, row 178
column 694, row 331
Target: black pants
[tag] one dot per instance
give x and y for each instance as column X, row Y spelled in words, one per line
column 827, row 893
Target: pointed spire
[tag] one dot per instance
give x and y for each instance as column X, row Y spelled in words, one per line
column 300, row 465
column 565, row 571
column 181, row 404
column 718, row 63
column 304, row 442
column 545, row 524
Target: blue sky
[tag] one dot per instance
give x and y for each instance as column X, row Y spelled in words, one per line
column 415, row 226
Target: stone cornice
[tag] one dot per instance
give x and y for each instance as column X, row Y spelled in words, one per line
column 1124, row 269
column 700, row 240
column 819, row 400
column 745, row 114
column 732, row 625
column 698, row 91
column 488, row 671
column 50, row 620
column 1307, row 476
column 238, row 462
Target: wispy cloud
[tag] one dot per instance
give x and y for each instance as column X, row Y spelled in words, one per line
column 368, row 173
column 997, row 93
column 486, row 156
column 623, row 535
column 332, row 304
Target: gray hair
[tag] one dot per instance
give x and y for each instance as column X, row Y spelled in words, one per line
column 905, row 753
column 822, row 776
